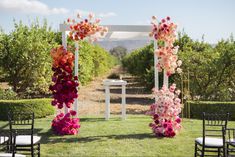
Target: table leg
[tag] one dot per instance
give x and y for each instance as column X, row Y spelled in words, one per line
column 107, row 103
column 123, row 102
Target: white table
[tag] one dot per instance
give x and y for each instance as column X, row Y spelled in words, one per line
column 107, row 83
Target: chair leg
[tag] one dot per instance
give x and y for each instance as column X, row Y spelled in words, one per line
column 195, row 150
column 219, row 152
column 32, row 151
column 38, row 149
column 227, row 150
column 203, row 151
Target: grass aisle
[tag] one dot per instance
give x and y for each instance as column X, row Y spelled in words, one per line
column 131, row 137
column 115, row 137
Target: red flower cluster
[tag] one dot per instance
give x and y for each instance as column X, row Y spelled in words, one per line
column 66, row 124
column 64, row 89
column 85, row 28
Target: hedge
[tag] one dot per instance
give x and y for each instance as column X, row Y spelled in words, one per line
column 197, row 107
column 41, row 107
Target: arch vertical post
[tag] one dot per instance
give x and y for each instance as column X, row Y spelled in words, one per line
column 156, row 77
column 165, row 79
column 76, row 72
column 64, row 43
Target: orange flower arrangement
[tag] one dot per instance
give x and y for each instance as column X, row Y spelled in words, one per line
column 85, row 28
column 61, row 56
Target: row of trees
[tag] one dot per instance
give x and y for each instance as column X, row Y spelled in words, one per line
column 25, row 60
column 211, row 67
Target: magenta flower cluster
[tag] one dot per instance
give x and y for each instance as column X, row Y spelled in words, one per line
column 65, row 124
column 165, row 112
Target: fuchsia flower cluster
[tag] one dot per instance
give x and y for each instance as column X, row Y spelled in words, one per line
column 165, row 112
column 165, row 31
column 65, row 124
column 64, row 91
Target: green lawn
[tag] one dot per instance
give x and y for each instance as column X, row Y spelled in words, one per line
column 115, row 137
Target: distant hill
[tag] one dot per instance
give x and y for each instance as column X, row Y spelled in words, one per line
column 128, row 44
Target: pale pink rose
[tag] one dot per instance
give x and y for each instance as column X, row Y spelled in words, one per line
column 177, row 92
column 179, row 70
column 179, row 62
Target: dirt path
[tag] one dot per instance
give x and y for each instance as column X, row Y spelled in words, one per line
column 92, row 98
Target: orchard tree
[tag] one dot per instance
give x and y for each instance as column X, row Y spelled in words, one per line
column 118, row 52
column 25, row 57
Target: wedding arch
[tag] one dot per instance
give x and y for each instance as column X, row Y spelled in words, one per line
column 167, row 107
column 117, row 33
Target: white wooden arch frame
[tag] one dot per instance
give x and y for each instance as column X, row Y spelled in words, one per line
column 112, row 29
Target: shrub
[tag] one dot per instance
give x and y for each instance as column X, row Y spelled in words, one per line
column 8, row 94
column 41, row 107
column 197, row 107
column 114, row 76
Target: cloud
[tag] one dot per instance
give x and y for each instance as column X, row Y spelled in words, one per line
column 100, row 15
column 30, row 6
column 108, row 14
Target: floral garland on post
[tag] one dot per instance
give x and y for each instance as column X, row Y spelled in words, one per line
column 65, row 85
column 167, row 107
column 64, row 91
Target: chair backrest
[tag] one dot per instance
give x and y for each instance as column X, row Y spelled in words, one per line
column 230, row 135
column 213, row 124
column 22, row 122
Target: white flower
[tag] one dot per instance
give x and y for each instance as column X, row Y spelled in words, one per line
column 179, row 70
column 177, row 92
column 179, row 63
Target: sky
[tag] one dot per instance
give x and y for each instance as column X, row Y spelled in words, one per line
column 215, row 19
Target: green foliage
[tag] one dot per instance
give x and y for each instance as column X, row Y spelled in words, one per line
column 198, row 107
column 140, row 63
column 41, row 107
column 26, row 63
column 118, row 52
column 24, row 57
column 93, row 61
column 8, row 94
column 211, row 69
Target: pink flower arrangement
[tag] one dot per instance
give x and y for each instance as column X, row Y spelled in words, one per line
column 64, row 91
column 165, row 31
column 88, row 27
column 65, row 85
column 165, row 112
column 65, row 124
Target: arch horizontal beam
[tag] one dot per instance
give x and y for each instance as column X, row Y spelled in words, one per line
column 117, row 28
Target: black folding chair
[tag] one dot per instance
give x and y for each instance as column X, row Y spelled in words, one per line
column 25, row 140
column 212, row 139
column 230, row 141
column 7, row 148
